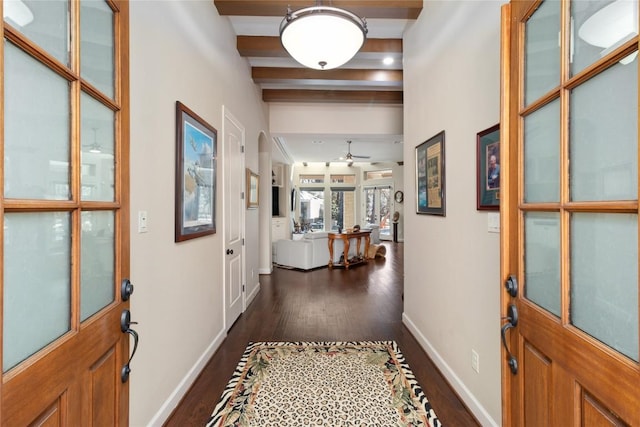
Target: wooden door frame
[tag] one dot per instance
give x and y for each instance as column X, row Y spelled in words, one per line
column 508, row 196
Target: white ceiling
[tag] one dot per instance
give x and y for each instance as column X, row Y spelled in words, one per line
column 313, row 147
column 333, row 148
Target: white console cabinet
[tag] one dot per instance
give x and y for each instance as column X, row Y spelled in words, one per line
column 279, row 228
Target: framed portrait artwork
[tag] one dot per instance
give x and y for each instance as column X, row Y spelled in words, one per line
column 253, row 188
column 488, row 167
column 195, row 175
column 430, row 176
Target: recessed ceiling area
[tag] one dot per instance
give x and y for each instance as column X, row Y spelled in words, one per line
column 333, row 149
column 366, row 80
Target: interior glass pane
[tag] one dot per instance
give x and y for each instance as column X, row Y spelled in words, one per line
column 378, row 209
column 312, row 209
column 343, row 213
column 542, row 51
column 37, row 301
column 97, row 262
column 44, row 22
column 542, row 259
column 598, row 28
column 97, row 45
column 98, row 124
column 542, row 154
column 604, row 136
column 36, row 131
column 604, row 279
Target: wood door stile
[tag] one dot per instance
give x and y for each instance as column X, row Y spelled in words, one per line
column 346, row 238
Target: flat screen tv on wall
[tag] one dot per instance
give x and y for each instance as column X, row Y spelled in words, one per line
column 275, row 201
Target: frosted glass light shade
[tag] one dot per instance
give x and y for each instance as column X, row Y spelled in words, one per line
column 613, row 23
column 322, row 37
column 17, row 12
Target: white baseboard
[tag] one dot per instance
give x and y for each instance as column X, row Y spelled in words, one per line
column 252, row 295
column 174, row 399
column 265, row 270
column 465, row 394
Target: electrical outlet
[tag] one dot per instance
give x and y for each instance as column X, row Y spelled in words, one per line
column 475, row 361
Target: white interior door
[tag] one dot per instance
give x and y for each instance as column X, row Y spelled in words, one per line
column 234, row 176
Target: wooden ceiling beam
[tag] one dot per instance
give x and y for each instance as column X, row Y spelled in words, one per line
column 273, row 74
column 386, row 9
column 333, row 96
column 270, row 47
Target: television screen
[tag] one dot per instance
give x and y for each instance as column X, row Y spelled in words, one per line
column 275, row 201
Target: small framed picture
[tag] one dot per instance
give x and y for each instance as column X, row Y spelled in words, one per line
column 253, row 188
column 488, row 168
column 430, row 176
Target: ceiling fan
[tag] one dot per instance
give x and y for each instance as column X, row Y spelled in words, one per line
column 349, row 157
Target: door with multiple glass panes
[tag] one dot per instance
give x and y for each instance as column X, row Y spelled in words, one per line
column 569, row 208
column 65, row 212
column 377, row 209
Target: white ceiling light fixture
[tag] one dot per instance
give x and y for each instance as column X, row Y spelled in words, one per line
column 17, row 12
column 612, row 26
column 322, row 37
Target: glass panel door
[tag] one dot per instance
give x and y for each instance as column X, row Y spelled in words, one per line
column 64, row 206
column 377, row 209
column 570, row 212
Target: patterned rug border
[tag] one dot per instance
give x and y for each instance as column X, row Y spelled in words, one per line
column 239, row 374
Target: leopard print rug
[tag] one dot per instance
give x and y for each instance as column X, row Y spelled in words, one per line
column 282, row 384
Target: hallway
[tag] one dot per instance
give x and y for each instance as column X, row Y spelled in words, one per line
column 363, row 303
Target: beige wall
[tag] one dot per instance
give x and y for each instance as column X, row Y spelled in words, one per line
column 452, row 285
column 185, row 51
column 180, row 51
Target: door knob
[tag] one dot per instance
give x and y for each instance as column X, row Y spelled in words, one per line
column 126, row 289
column 229, row 251
column 511, row 285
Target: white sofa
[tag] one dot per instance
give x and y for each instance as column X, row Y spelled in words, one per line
column 312, row 251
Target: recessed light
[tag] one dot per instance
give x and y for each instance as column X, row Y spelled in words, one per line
column 387, row 61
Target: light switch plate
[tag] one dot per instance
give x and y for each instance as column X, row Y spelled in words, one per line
column 493, row 222
column 142, row 222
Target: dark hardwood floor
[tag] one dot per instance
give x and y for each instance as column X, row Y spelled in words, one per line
column 359, row 304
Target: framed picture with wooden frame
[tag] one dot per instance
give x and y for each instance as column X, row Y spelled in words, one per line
column 195, row 204
column 253, row 189
column 488, row 169
column 430, row 176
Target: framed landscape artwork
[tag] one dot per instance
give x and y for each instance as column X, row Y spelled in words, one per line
column 430, row 176
column 488, row 168
column 195, row 208
column 253, row 188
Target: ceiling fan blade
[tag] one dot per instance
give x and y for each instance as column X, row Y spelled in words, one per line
column 360, row 157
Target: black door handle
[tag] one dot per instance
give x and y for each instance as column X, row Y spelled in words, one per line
column 125, row 323
column 512, row 322
column 229, row 251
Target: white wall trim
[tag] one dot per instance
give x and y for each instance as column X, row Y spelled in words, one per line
column 174, row 399
column 265, row 270
column 465, row 394
column 252, row 295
